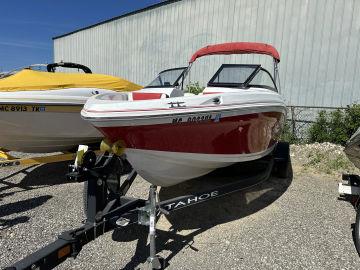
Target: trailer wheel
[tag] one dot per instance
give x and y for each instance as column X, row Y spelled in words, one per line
column 282, row 160
column 356, row 231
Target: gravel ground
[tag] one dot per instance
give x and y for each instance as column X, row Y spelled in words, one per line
column 326, row 158
column 294, row 223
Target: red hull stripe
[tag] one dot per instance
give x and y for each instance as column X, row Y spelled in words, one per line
column 243, row 134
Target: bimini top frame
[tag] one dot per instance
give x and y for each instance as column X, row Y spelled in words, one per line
column 239, row 48
column 52, row 67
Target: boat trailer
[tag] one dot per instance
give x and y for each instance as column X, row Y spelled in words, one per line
column 8, row 160
column 11, row 161
column 107, row 207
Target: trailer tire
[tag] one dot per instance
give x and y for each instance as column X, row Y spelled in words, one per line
column 282, row 160
column 356, row 231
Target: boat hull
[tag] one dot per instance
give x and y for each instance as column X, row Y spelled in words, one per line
column 168, row 154
column 169, row 141
column 44, row 132
column 46, row 121
column 241, row 134
column 164, row 169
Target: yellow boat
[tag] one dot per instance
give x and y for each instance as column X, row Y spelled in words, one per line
column 40, row 111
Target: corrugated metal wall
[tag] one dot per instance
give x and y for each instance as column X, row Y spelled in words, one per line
column 318, row 41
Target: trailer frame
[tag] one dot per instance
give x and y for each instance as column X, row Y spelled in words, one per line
column 108, row 207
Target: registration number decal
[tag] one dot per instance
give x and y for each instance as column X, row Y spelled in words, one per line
column 195, row 119
column 39, row 108
column 21, row 108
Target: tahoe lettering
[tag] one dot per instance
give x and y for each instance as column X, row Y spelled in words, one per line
column 191, row 200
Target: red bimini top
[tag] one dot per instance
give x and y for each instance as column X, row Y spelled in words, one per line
column 237, row 48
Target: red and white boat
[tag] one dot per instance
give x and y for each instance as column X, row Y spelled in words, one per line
column 170, row 137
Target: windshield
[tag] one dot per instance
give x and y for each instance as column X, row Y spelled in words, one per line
column 263, row 79
column 242, row 76
column 168, row 78
column 233, row 74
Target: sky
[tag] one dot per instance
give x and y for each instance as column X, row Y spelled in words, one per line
column 27, row 27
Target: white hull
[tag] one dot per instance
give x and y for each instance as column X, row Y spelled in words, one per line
column 46, row 121
column 42, row 132
column 167, row 168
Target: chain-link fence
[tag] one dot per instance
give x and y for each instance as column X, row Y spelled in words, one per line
column 300, row 118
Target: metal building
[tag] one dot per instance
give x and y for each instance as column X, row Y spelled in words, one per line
column 318, row 41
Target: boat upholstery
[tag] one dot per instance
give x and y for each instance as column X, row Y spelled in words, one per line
column 146, row 96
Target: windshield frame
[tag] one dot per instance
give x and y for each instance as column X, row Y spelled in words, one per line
column 245, row 84
column 176, row 82
column 262, row 85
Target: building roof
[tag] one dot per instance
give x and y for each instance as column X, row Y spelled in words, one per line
column 163, row 3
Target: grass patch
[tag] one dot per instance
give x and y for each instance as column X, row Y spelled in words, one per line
column 328, row 160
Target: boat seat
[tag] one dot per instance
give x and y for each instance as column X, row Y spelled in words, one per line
column 146, row 96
